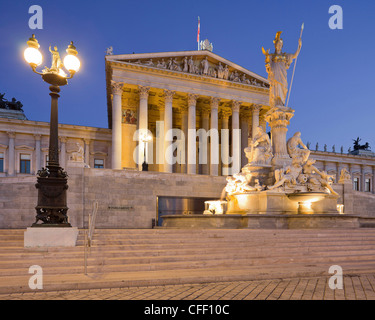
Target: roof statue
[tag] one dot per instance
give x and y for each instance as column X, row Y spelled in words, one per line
column 357, row 146
column 109, row 51
column 207, row 45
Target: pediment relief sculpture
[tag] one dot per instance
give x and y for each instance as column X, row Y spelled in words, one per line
column 200, row 66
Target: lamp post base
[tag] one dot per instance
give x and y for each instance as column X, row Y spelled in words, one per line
column 51, row 237
column 52, row 201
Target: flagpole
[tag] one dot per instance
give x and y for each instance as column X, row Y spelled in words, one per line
column 294, row 67
column 199, row 24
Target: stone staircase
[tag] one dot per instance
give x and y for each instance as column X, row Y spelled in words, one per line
column 141, row 257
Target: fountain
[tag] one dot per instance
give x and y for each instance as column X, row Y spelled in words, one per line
column 279, row 187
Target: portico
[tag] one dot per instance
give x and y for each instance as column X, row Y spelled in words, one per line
column 164, row 91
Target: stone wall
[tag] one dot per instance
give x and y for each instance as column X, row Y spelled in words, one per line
column 128, row 199
column 364, row 203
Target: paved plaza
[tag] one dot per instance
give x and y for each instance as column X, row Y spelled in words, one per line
column 358, row 287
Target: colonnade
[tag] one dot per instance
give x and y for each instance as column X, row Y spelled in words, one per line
column 209, row 122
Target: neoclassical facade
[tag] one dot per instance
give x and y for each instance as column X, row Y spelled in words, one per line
column 188, row 91
column 24, row 146
column 197, row 93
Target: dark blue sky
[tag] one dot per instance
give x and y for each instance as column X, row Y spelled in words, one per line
column 333, row 89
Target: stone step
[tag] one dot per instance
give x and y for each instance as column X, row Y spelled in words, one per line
column 63, row 266
column 151, row 234
column 160, row 256
column 181, row 249
column 187, row 255
column 79, row 281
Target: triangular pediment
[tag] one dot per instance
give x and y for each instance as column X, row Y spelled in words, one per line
column 201, row 63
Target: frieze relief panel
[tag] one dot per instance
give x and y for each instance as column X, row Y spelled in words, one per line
column 200, row 66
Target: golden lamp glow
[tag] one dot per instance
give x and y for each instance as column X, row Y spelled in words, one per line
column 71, row 62
column 62, row 73
column 33, row 56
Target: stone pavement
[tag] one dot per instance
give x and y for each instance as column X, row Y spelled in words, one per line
column 355, row 287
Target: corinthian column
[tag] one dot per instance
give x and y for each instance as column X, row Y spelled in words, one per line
column 214, row 138
column 245, row 116
column 63, row 141
column 192, row 154
column 168, row 154
column 87, row 151
column 143, row 122
column 255, row 118
column 116, row 124
column 204, row 154
column 11, row 159
column 184, row 129
column 236, row 137
column 38, row 164
column 225, row 159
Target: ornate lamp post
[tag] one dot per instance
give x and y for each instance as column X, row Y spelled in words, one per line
column 52, row 181
column 145, row 138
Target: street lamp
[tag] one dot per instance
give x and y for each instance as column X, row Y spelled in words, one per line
column 52, row 180
column 144, row 137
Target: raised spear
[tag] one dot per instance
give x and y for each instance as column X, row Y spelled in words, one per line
column 294, row 67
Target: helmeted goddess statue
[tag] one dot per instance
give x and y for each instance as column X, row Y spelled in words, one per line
column 277, row 65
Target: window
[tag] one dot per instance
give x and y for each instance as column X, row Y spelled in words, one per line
column 367, row 185
column 1, row 162
column 356, row 184
column 25, row 163
column 46, row 158
column 99, row 163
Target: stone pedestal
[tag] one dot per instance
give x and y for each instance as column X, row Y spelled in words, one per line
column 50, row 237
column 278, row 119
column 274, row 202
column 263, row 173
column 265, row 202
column 262, row 221
column 77, row 164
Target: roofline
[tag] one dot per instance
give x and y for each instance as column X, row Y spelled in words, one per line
column 113, row 58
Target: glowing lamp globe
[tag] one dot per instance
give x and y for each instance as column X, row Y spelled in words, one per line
column 71, row 62
column 32, row 54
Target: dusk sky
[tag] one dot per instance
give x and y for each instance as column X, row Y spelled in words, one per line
column 333, row 88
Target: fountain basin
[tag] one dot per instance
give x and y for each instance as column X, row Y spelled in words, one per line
column 215, row 207
column 305, row 199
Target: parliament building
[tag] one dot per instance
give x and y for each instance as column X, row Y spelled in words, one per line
column 131, row 177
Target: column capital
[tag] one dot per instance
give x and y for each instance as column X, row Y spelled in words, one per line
column 63, row 139
column 192, row 99
column 236, row 105
column 143, row 92
column 11, row 134
column 256, row 107
column 226, row 113
column 168, row 95
column 86, row 140
column 117, row 87
column 214, row 102
column 37, row 137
